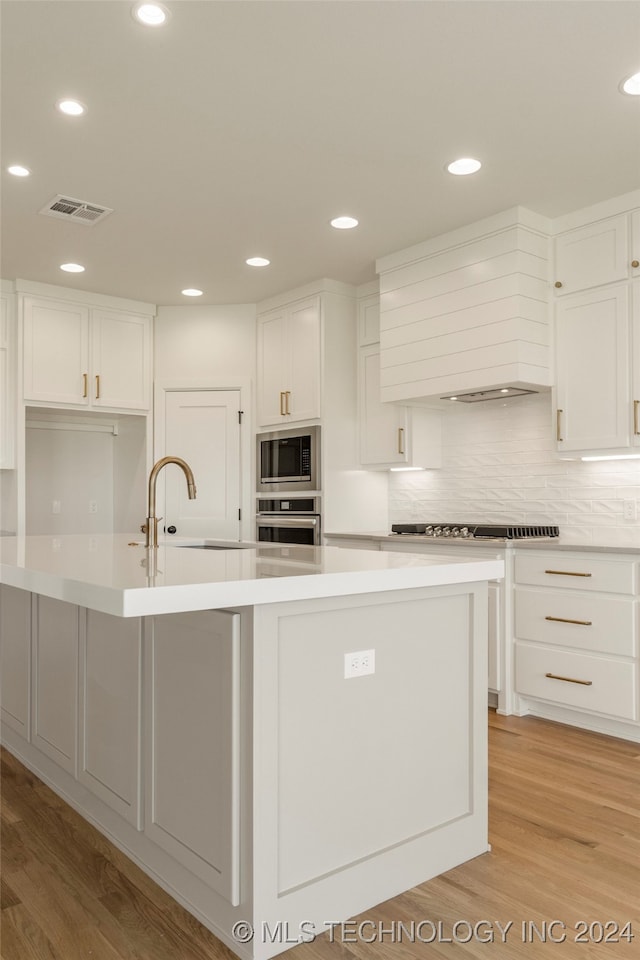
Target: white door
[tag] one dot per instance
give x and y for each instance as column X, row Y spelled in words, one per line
column 202, row 427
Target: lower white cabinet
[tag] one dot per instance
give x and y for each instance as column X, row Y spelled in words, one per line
column 110, row 710
column 54, row 681
column 192, row 757
column 15, row 659
column 576, row 638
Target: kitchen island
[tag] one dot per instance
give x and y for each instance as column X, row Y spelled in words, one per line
column 281, row 737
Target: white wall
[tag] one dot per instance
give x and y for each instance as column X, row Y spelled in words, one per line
column 76, row 466
column 204, row 342
column 499, row 464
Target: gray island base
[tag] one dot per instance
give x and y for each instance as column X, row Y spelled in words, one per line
column 224, row 751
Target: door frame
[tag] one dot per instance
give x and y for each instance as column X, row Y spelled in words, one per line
column 247, row 447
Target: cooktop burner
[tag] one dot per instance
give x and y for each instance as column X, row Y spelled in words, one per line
column 477, row 531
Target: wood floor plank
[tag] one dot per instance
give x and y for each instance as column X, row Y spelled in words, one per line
column 565, row 832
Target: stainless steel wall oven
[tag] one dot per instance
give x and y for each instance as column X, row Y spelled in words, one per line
column 293, row 520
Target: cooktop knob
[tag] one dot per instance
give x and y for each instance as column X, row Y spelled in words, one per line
column 455, row 532
column 437, row 531
column 446, row 532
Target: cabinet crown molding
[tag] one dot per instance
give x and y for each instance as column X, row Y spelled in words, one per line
column 71, row 295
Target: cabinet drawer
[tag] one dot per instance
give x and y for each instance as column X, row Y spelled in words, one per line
column 592, row 623
column 582, row 573
column 607, row 686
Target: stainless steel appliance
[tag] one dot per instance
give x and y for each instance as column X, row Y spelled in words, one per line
column 291, row 520
column 288, row 461
column 502, row 532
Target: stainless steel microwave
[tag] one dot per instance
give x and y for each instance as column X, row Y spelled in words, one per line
column 288, row 461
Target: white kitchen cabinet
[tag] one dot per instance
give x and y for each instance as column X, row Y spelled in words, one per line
column 110, row 715
column 82, row 356
column 593, row 400
column 369, row 320
column 592, row 255
column 54, row 694
column 7, row 383
column 393, row 435
column 597, row 333
column 15, row 659
column 576, row 638
column 289, row 353
column 193, row 728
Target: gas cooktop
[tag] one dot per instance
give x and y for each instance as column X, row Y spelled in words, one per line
column 477, row 531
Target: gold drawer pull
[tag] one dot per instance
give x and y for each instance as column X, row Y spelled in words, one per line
column 287, row 394
column 636, row 404
column 567, row 573
column 559, row 436
column 282, row 398
column 555, row 676
column 401, row 440
column 85, row 385
column 97, row 386
column 583, row 623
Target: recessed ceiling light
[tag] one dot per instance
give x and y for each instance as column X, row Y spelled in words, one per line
column 631, row 85
column 505, row 390
column 151, row 14
column 344, row 223
column 18, row 171
column 73, row 108
column 72, row 267
column 192, row 292
column 464, row 166
column 258, row 262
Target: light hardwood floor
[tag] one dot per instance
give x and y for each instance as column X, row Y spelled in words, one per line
column 565, row 835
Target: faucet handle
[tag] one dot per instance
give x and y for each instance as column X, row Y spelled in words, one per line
column 143, row 528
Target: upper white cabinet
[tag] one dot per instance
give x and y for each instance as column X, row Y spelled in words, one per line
column 594, row 406
column 81, row 355
column 391, row 434
column 592, row 255
column 597, row 334
column 289, row 353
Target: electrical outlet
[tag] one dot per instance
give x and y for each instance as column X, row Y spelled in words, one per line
column 93, row 506
column 629, row 509
column 56, row 507
column 359, row 664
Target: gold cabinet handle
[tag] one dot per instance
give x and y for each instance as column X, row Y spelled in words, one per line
column 559, row 437
column 287, row 395
column 636, row 405
column 635, row 263
column 567, row 573
column 555, row 676
column 582, row 623
column 97, row 386
column 557, row 284
column 282, row 410
column 401, row 440
column 85, row 385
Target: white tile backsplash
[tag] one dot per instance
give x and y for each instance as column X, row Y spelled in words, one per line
column 500, row 465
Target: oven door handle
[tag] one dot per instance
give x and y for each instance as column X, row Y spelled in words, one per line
column 266, row 520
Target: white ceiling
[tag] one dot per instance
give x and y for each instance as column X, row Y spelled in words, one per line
column 241, row 128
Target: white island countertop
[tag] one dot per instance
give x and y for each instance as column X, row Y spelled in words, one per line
column 115, row 576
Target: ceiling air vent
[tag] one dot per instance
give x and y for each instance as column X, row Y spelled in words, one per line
column 66, row 208
column 499, row 393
